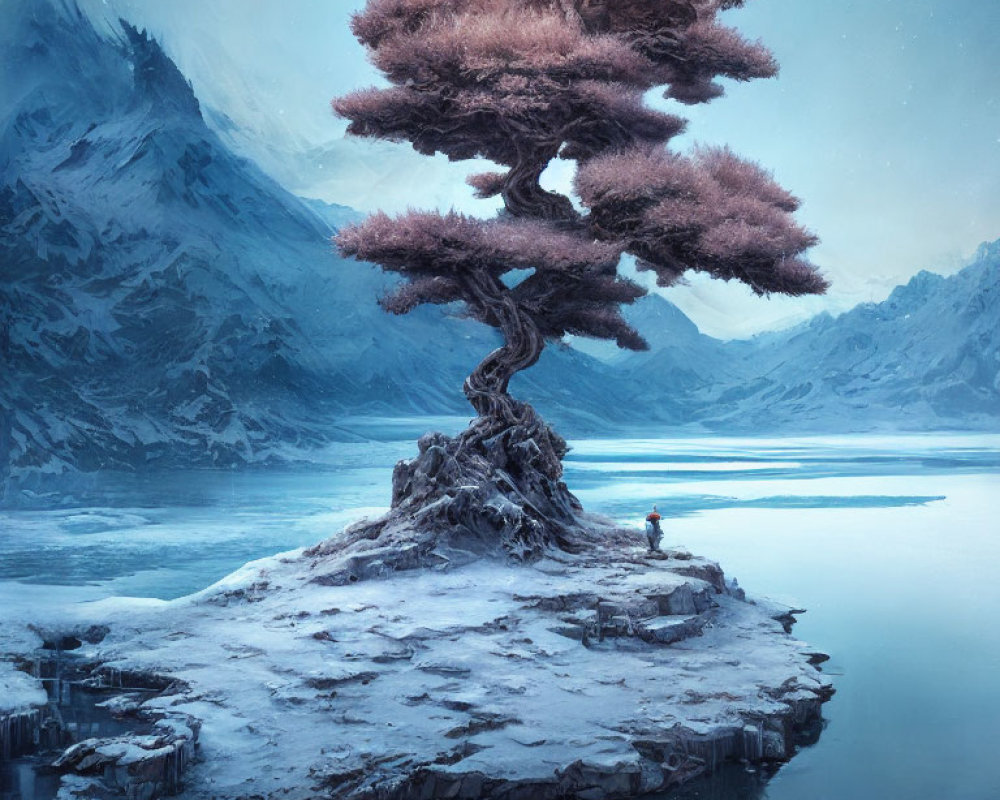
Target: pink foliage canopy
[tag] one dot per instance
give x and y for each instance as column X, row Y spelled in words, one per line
column 712, row 212
column 521, row 82
column 574, row 286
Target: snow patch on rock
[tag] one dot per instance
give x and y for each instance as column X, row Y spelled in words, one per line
column 604, row 675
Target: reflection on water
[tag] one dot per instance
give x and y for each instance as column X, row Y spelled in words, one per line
column 75, row 714
column 26, row 779
column 730, row 782
column 891, row 544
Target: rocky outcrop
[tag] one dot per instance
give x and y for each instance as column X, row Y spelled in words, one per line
column 598, row 675
column 485, row 639
column 696, row 642
column 147, row 761
column 140, row 767
column 496, row 489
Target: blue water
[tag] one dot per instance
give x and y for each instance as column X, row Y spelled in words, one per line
column 892, row 544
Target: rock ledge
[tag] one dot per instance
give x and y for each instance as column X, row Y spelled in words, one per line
column 606, row 675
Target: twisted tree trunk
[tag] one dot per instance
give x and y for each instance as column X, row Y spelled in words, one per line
column 495, row 488
column 524, row 196
column 486, row 387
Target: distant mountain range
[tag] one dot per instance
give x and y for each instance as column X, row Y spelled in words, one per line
column 928, row 357
column 163, row 302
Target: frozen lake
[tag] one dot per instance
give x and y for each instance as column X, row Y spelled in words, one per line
column 891, row 543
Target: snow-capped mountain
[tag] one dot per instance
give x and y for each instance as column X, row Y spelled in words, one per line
column 682, row 364
column 160, row 298
column 926, row 357
column 137, row 316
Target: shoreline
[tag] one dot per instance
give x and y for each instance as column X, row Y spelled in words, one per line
column 606, row 676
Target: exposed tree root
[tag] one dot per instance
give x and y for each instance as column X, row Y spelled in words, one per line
column 495, row 489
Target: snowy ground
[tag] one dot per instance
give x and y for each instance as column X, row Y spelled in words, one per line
column 479, row 671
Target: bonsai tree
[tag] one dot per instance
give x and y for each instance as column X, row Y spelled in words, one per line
column 520, row 83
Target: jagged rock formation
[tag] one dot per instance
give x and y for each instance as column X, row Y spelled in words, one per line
column 134, row 766
column 495, row 489
column 148, row 761
column 135, row 322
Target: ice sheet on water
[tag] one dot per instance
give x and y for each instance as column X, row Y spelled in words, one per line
column 897, row 445
column 631, row 514
column 100, row 520
column 680, row 466
column 173, row 534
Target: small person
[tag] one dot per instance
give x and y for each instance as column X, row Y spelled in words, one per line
column 653, row 532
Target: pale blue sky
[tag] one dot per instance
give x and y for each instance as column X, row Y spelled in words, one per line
column 885, row 120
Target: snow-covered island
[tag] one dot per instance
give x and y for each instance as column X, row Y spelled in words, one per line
column 608, row 674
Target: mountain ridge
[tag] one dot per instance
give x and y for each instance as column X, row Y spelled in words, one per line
column 164, row 302
column 926, row 357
